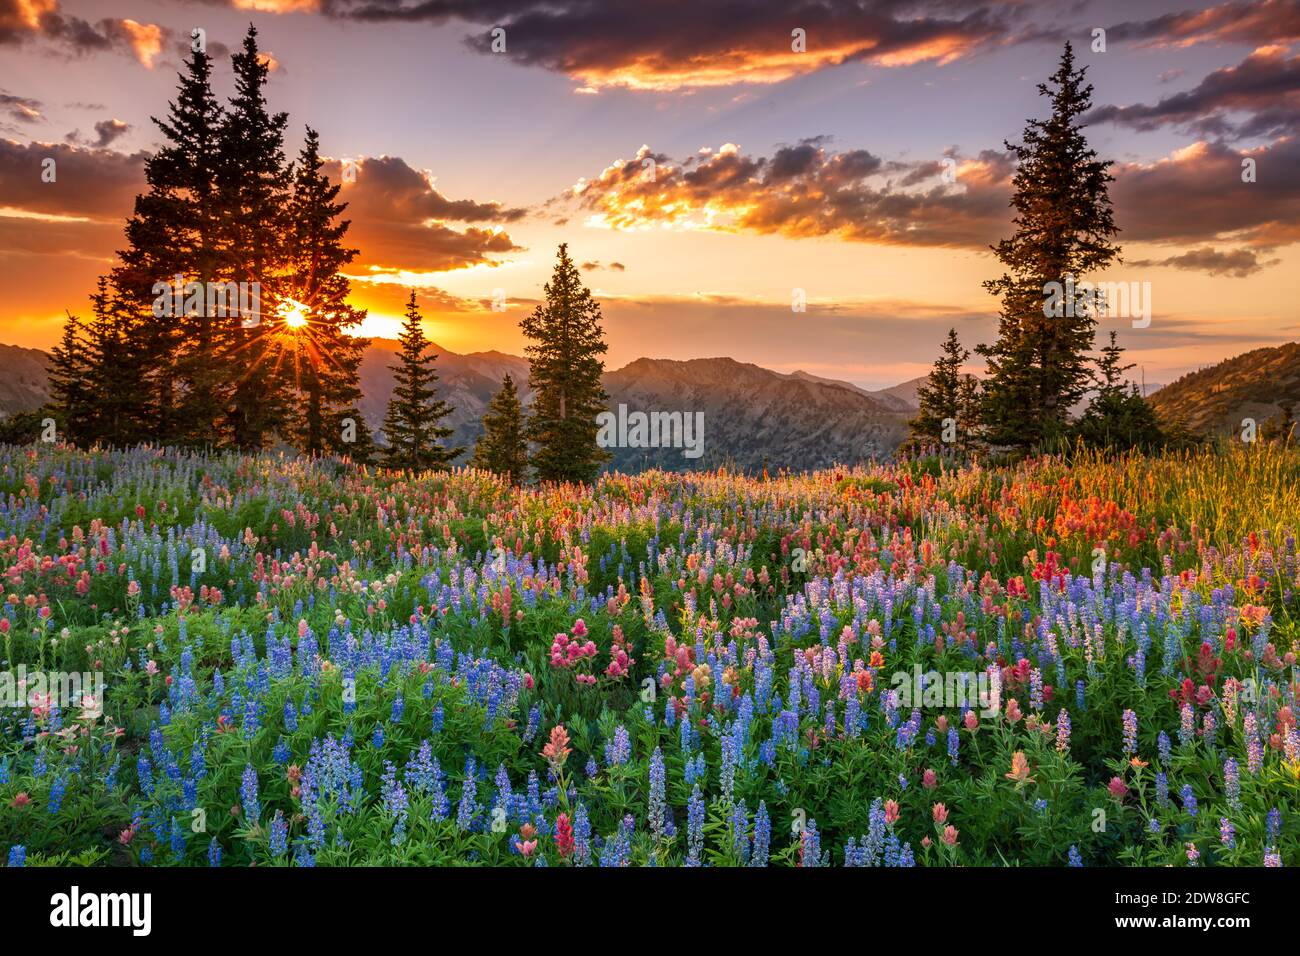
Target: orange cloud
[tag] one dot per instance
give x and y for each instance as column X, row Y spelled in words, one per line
column 23, row 20
column 804, row 191
column 146, row 41
column 278, row 6
column 400, row 220
column 676, row 44
column 1239, row 21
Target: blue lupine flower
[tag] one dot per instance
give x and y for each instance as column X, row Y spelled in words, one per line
column 810, row 845
column 619, row 749
column 1273, row 824
column 1227, row 833
column 695, row 827
column 248, row 795
column 657, row 775
column 740, row 832
column 279, row 840
column 581, row 837
column 1130, row 721
column 762, row 836
column 1232, row 783
column 534, row 721
column 1075, row 858
column 17, row 855
column 57, row 790
column 144, row 772
column 395, row 802
column 214, row 853
column 1188, row 798
column 467, row 810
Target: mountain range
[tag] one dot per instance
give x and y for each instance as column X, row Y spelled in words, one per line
column 752, row 416
column 1214, row 400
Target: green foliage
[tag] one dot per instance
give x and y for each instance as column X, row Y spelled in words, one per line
column 565, row 371
column 413, row 425
column 1038, row 366
column 503, row 449
column 949, row 402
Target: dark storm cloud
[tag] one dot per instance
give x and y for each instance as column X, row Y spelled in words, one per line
column 681, row 43
column 94, row 184
column 399, row 220
column 1265, row 86
column 106, row 133
column 1237, row 263
column 1241, row 21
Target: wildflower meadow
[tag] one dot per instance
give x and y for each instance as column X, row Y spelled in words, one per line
column 235, row 660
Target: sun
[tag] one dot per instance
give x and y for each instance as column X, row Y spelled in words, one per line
column 294, row 313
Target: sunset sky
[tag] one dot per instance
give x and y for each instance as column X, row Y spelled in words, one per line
column 773, row 170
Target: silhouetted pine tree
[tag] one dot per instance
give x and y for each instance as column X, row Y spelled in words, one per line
column 413, row 424
column 120, row 413
column 362, row 449
column 323, row 359
column 1038, row 367
column 503, row 449
column 70, row 382
column 173, row 232
column 564, row 372
column 254, row 182
column 946, row 395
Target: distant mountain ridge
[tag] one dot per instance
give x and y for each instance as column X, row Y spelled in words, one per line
column 753, row 416
column 1214, row 400
column 25, row 383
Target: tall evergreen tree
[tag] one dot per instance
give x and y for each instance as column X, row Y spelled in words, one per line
column 174, row 232
column 503, row 449
column 254, row 183
column 948, row 409
column 564, row 371
column 1038, row 367
column 413, row 425
column 324, row 359
column 115, row 366
column 70, row 382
